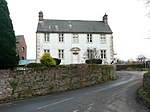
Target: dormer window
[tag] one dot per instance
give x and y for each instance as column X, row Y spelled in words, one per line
column 56, row 27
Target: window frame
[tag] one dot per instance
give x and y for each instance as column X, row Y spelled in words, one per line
column 89, row 53
column 61, row 53
column 46, row 37
column 102, row 38
column 89, row 38
column 46, row 50
column 75, row 38
column 61, row 37
column 103, row 53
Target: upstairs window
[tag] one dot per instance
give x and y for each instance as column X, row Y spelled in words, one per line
column 61, row 37
column 103, row 54
column 75, row 38
column 103, row 39
column 61, row 54
column 46, row 37
column 23, row 49
column 89, row 38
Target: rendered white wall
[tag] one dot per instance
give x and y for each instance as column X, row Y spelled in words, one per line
column 54, row 45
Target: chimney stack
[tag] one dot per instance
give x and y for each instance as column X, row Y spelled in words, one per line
column 105, row 19
column 40, row 16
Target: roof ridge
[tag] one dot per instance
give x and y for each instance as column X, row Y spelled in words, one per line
column 59, row 25
column 72, row 20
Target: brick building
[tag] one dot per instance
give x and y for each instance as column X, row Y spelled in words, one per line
column 21, row 47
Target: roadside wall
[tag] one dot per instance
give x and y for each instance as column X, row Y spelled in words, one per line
column 144, row 90
column 41, row 81
column 131, row 67
column 146, row 82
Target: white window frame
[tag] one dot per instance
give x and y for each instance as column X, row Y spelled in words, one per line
column 90, row 53
column 89, row 38
column 46, row 50
column 61, row 37
column 103, row 53
column 46, row 37
column 75, row 38
column 103, row 38
column 61, row 53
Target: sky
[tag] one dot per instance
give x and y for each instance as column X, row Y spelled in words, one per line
column 128, row 20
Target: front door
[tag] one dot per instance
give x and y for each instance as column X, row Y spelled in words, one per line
column 75, row 57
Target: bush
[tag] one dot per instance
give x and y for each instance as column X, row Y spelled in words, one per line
column 47, row 60
column 94, row 61
column 147, row 73
column 34, row 65
column 58, row 61
column 130, row 67
column 144, row 96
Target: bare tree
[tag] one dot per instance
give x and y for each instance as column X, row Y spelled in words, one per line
column 92, row 54
column 141, row 58
column 147, row 1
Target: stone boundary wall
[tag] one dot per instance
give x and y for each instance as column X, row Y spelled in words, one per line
column 146, row 82
column 131, row 67
column 20, row 84
column 144, row 90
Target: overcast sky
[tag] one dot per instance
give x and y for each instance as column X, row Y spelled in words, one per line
column 127, row 18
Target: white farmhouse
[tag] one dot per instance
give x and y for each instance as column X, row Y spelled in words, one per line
column 74, row 41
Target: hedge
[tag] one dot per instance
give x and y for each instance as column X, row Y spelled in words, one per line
column 94, row 61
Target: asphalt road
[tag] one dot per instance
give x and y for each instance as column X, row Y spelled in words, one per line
column 115, row 96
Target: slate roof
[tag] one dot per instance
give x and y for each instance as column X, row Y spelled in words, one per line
column 18, row 37
column 72, row 26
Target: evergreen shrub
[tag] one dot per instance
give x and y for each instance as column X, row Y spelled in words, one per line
column 47, row 60
column 58, row 61
column 8, row 58
column 94, row 61
column 34, row 65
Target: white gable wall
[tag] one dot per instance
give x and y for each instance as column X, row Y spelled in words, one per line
column 54, row 45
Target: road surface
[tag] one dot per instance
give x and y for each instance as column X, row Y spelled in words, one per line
column 115, row 96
